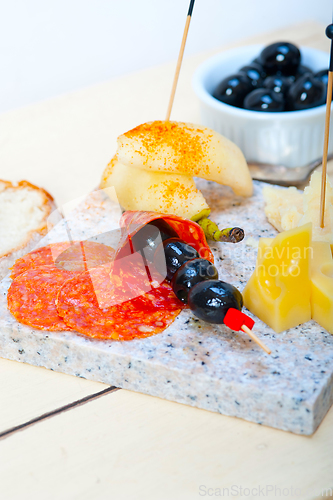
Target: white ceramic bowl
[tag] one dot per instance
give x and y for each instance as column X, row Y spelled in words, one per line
column 291, row 138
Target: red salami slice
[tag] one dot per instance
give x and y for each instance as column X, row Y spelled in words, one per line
column 39, row 257
column 84, row 255
column 187, row 230
column 92, row 305
column 112, row 299
column 75, row 257
column 31, row 297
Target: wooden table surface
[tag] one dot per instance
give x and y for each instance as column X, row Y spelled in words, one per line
column 62, row 437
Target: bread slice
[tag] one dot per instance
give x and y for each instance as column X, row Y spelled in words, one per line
column 24, row 210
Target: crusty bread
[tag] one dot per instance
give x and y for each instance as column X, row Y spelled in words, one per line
column 24, row 210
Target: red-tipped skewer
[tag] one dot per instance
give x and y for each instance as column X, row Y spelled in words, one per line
column 236, row 320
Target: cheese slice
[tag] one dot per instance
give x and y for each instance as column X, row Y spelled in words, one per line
column 278, row 292
column 289, row 208
column 322, row 285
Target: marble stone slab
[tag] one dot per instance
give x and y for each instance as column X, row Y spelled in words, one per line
column 191, row 362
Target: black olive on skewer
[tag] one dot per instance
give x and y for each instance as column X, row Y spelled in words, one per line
column 150, row 236
column 189, row 274
column 194, row 280
column 173, row 253
column 210, row 300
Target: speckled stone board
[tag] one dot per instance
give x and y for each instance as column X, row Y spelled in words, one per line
column 192, row 362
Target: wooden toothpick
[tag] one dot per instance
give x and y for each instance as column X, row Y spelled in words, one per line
column 253, row 336
column 329, row 34
column 180, row 58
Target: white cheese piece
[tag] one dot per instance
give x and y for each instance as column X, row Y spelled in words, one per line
column 289, row 208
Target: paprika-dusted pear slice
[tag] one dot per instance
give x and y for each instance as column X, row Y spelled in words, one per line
column 138, row 189
column 187, row 149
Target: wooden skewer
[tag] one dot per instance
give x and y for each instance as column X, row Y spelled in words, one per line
column 180, row 59
column 329, row 33
column 253, row 336
column 326, row 137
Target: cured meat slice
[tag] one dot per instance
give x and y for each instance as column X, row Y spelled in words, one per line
column 39, row 257
column 75, row 257
column 31, row 297
column 85, row 287
column 95, row 305
column 84, row 255
column 187, row 230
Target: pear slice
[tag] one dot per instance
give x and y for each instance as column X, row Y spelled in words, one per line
column 139, row 189
column 188, row 149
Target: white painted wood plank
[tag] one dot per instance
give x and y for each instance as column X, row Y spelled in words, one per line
column 27, row 392
column 130, row 446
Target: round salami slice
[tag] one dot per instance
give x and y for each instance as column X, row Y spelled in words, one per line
column 40, row 257
column 32, row 295
column 84, row 255
column 187, row 230
column 75, row 257
column 92, row 305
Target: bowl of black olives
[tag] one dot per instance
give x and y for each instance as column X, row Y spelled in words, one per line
column 269, row 100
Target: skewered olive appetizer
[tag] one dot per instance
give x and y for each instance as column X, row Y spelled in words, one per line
column 196, row 283
column 194, row 280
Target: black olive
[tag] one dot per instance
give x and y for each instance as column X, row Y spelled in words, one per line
column 148, row 238
column 210, row 300
column 191, row 273
column 233, row 89
column 254, row 72
column 257, row 61
column 171, row 255
column 264, row 100
column 301, row 70
column 165, row 229
column 279, row 84
column 322, row 75
column 280, row 57
column 306, row 92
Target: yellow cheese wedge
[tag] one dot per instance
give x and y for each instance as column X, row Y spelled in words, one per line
column 187, row 149
column 322, row 285
column 138, row 189
column 278, row 291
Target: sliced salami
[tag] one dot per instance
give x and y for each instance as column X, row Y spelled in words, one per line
column 82, row 301
column 187, row 230
column 84, row 255
column 40, row 257
column 75, row 257
column 85, row 287
column 31, row 297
